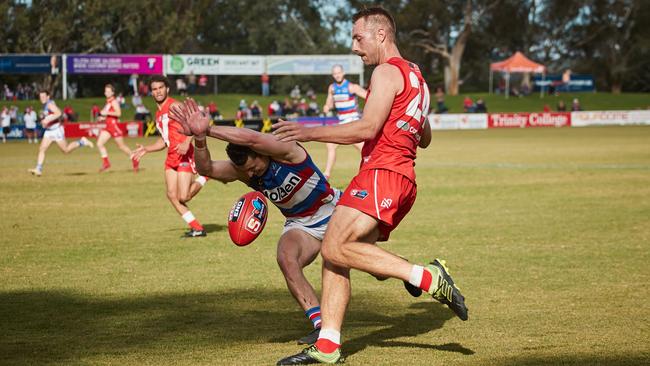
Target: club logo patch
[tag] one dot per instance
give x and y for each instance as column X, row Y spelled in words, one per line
column 254, row 223
column 359, row 194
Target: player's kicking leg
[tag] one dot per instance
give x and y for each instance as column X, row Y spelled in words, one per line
column 102, row 139
column 349, row 243
column 296, row 250
column 178, row 193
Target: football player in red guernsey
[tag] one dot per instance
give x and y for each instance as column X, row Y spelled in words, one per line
column 179, row 165
column 110, row 115
column 393, row 125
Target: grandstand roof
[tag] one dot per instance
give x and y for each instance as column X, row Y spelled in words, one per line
column 518, row 63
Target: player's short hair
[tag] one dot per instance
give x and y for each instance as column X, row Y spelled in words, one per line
column 110, row 86
column 159, row 79
column 44, row 91
column 377, row 15
column 338, row 66
column 239, row 154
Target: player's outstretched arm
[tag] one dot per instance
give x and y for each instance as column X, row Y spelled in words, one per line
column 261, row 143
column 221, row 170
column 387, row 79
column 329, row 102
column 141, row 150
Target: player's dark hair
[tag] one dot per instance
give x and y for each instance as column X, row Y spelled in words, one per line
column 159, row 79
column 45, row 91
column 238, row 154
column 377, row 14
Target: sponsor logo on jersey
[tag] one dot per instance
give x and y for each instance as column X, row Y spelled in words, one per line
column 282, row 191
column 405, row 126
column 359, row 194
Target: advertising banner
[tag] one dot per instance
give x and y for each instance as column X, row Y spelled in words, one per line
column 115, row 64
column 214, row 64
column 521, row 120
column 610, row 118
column 18, row 132
column 30, row 64
column 312, row 64
column 578, row 83
column 81, row 129
column 459, row 121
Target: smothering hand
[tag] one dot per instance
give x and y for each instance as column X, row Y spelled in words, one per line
column 290, row 131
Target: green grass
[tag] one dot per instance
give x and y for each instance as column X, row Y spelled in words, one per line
column 228, row 103
column 547, row 232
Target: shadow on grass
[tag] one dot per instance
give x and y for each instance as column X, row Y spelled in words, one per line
column 75, row 174
column 45, row 327
column 579, row 360
column 213, row 228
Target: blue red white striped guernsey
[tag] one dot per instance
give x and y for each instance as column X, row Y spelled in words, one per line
column 298, row 190
column 46, row 112
column 345, row 102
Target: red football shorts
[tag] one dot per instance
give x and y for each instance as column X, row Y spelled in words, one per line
column 383, row 194
column 113, row 129
column 181, row 163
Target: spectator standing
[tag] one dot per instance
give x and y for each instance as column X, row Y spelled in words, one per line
column 256, row 111
column 440, row 101
column 181, row 87
column 69, row 115
column 295, row 93
column 561, row 107
column 5, row 123
column 265, row 84
column 480, row 106
column 191, row 81
column 203, row 84
column 30, row 118
column 94, row 112
column 214, row 111
column 133, row 83
column 136, row 100
column 142, row 113
column 275, row 109
column 575, row 106
column 143, row 88
column 468, row 105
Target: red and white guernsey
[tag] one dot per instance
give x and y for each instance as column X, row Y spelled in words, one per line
column 394, row 147
column 168, row 127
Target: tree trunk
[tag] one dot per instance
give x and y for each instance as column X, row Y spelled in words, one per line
column 617, row 87
column 454, row 70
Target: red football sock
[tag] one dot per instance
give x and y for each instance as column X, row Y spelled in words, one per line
column 195, row 225
column 105, row 161
column 425, row 284
column 326, row 346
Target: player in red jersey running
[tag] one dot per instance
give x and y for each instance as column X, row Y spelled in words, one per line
column 110, row 115
column 393, row 125
column 179, row 165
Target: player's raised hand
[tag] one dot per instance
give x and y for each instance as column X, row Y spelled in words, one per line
column 178, row 112
column 290, row 131
column 197, row 120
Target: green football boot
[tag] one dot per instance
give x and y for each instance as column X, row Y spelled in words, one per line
column 444, row 290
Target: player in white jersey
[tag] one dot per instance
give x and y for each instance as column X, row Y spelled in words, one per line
column 54, row 132
column 342, row 96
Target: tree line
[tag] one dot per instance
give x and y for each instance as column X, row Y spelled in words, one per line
column 453, row 41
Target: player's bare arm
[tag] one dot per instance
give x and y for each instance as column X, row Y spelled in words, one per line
column 141, row 150
column 358, row 90
column 197, row 123
column 386, row 82
column 329, row 102
column 221, row 170
column 55, row 114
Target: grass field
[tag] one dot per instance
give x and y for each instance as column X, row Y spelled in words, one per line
column 547, row 232
column 228, row 103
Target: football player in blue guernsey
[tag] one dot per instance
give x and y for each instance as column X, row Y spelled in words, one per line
column 342, row 96
column 285, row 173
